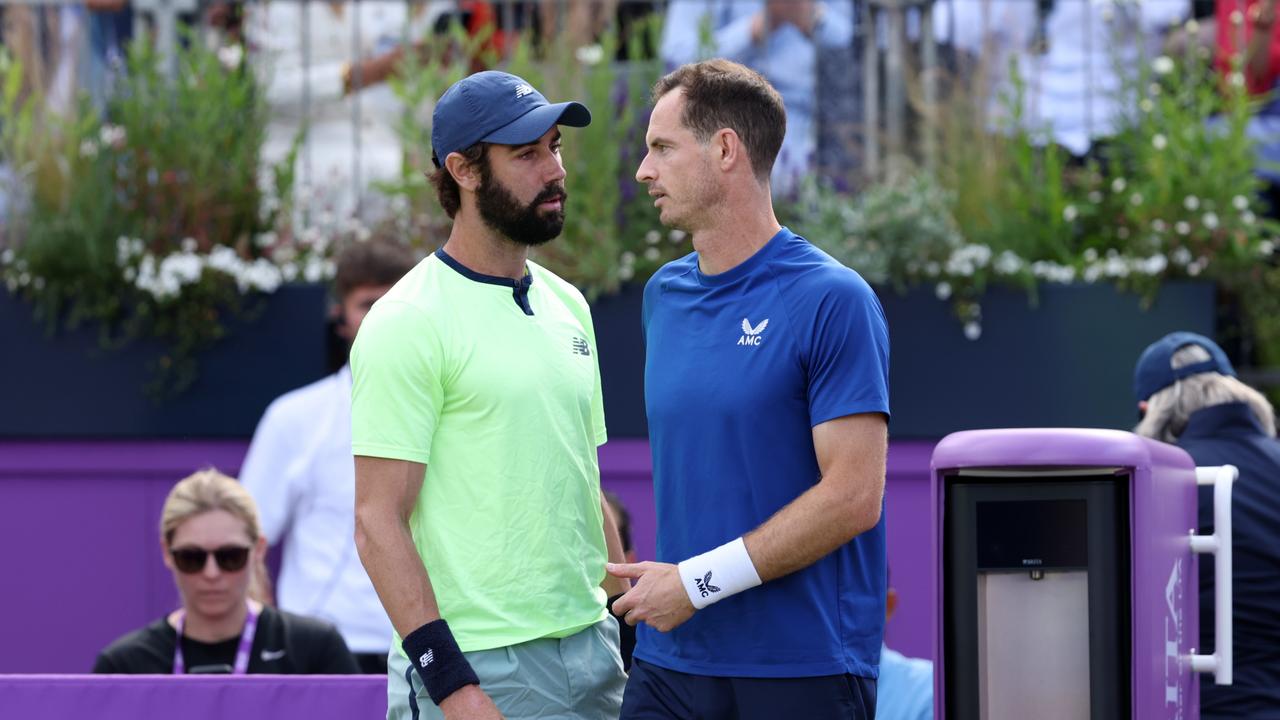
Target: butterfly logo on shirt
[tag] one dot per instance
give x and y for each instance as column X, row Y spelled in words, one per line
column 751, row 334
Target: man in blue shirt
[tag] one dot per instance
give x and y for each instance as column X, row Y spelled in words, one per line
column 767, row 393
column 780, row 39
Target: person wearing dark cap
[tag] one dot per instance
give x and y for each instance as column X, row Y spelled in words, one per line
column 476, row 414
column 1188, row 394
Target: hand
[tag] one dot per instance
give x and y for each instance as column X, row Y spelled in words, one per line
column 658, row 597
column 469, row 703
column 803, row 14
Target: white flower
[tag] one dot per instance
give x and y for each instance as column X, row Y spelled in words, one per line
column 1090, row 255
column 1154, row 89
column 1118, row 185
column 1146, row 106
column 1069, row 213
column 313, row 271
column 942, row 290
column 1159, row 141
column 1240, row 202
column 88, row 149
column 626, row 272
column 1182, row 227
column 1210, row 221
column 653, row 237
column 652, row 254
column 6, row 257
column 231, row 56
column 1008, row 263
column 1136, row 199
column 1236, row 79
column 628, row 258
column 1158, row 225
column 1162, row 65
column 1247, row 217
column 1266, row 247
column 973, row 330
column 113, row 135
column 589, row 54
column 1191, row 202
column 188, row 245
column 1154, row 265
column 1192, row 26
column 678, row 236
column 1181, row 256
column 289, row 272
column 1095, row 197
column 1194, row 268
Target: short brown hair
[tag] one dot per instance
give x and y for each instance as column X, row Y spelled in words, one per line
column 203, row 492
column 724, row 94
column 377, row 262
column 447, row 190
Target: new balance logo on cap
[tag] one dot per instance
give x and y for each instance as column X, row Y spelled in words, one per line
column 751, row 335
column 272, row 655
column 580, row 347
column 523, row 89
column 427, row 658
column 704, row 583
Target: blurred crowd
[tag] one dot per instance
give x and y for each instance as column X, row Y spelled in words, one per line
column 324, row 65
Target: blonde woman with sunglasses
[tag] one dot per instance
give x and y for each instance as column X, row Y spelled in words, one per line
column 210, row 538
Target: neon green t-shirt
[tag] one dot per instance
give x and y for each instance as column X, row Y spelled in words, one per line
column 505, row 410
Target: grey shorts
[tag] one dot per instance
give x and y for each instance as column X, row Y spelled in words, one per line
column 572, row 678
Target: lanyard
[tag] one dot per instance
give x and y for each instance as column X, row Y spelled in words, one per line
column 242, row 653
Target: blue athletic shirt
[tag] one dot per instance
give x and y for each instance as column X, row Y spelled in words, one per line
column 740, row 367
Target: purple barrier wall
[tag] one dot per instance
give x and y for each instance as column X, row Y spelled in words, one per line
column 194, row 697
column 79, row 524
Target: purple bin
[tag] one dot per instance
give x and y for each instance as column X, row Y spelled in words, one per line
column 1066, row 575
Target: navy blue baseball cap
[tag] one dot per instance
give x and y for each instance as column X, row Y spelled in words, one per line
column 1154, row 373
column 496, row 107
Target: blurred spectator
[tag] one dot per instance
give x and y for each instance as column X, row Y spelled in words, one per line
column 299, row 470
column 110, row 27
column 904, row 690
column 1187, row 391
column 209, row 535
column 1073, row 78
column 350, row 142
column 777, row 38
column 622, row 519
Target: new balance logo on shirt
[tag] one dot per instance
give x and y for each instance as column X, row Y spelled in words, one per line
column 704, row 583
column 580, row 347
column 427, row 658
column 751, row 335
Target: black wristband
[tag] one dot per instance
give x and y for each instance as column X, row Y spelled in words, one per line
column 438, row 660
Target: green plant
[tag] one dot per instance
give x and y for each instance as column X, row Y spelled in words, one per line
column 150, row 220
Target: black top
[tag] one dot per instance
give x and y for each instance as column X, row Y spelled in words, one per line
column 1230, row 435
column 285, row 644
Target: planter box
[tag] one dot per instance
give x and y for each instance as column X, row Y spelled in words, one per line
column 67, row 385
column 1067, row 362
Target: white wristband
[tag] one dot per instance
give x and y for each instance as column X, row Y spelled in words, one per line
column 719, row 573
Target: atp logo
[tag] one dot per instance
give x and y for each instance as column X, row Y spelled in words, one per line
column 752, row 335
column 427, row 658
column 704, row 583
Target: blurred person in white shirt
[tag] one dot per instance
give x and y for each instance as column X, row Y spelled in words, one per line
column 300, row 473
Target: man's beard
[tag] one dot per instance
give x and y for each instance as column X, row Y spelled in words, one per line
column 519, row 223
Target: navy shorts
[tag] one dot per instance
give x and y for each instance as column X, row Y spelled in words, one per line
column 655, row 693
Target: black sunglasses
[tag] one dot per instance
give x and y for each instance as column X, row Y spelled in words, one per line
column 190, row 560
